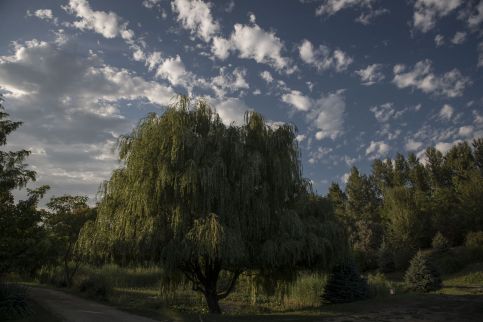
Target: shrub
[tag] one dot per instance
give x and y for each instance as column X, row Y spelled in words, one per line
column 474, row 239
column 94, row 286
column 13, row 301
column 345, row 284
column 440, row 243
column 421, row 275
column 385, row 259
column 53, row 275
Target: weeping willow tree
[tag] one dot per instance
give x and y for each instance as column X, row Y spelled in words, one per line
column 211, row 201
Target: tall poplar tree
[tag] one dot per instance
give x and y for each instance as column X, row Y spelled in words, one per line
column 211, row 201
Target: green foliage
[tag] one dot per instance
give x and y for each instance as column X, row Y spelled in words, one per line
column 385, row 259
column 202, row 198
column 63, row 223
column 474, row 239
column 52, row 275
column 344, row 285
column 13, row 301
column 421, row 275
column 440, row 243
column 94, row 286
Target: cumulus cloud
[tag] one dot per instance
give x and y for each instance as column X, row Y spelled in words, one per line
column 450, row 84
column 252, row 42
column 446, row 112
column 439, row 40
column 327, row 115
column 231, row 110
column 412, row 145
column 43, row 14
column 229, row 82
column 266, row 76
column 330, row 7
column 323, row 58
column 368, row 17
column 386, row 112
column 475, row 17
column 108, row 24
column 195, row 15
column 71, row 104
column 297, row 100
column 427, row 12
column 377, row 149
column 371, row 74
column 173, row 70
column 459, row 38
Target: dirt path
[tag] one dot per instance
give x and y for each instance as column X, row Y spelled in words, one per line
column 74, row 309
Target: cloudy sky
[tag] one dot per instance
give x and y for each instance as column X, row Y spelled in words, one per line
column 361, row 79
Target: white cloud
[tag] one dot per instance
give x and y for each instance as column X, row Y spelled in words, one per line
column 43, row 14
column 297, row 100
column 345, row 177
column 450, row 84
column 72, row 103
column 371, row 74
column 444, row 147
column 412, row 145
column 476, row 16
column 221, row 47
column 266, row 76
column 427, row 12
column 252, row 42
column 323, row 58
column 377, row 149
column 229, row 82
column 173, row 70
column 439, row 40
column 150, row 4
column 459, row 38
column 330, row 7
column 367, row 18
column 108, row 24
column 327, row 115
column 385, row 112
column 230, row 110
column 466, row 131
column 195, row 15
column 446, row 112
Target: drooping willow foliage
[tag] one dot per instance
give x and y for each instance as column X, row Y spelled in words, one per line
column 205, row 199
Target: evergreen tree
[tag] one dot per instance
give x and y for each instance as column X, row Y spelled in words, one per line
column 421, row 275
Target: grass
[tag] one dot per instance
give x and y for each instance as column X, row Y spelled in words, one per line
column 138, row 290
column 37, row 313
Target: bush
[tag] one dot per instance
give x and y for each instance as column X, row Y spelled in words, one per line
column 385, row 259
column 52, row 275
column 474, row 239
column 440, row 243
column 13, row 301
column 94, row 286
column 421, row 275
column 344, row 285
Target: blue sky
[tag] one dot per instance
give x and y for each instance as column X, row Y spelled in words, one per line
column 361, row 79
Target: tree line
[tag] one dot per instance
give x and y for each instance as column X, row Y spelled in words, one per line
column 208, row 202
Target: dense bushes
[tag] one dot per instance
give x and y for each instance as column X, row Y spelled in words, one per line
column 385, row 259
column 440, row 243
column 474, row 239
column 94, row 286
column 421, row 275
column 13, row 301
column 345, row 284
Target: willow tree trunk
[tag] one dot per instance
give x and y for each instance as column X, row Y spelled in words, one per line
column 212, row 301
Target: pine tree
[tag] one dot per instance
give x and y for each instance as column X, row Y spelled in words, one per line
column 421, row 275
column 344, row 285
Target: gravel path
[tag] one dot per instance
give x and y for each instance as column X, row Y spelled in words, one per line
column 71, row 308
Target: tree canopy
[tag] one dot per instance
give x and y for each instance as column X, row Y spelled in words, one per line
column 210, row 200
